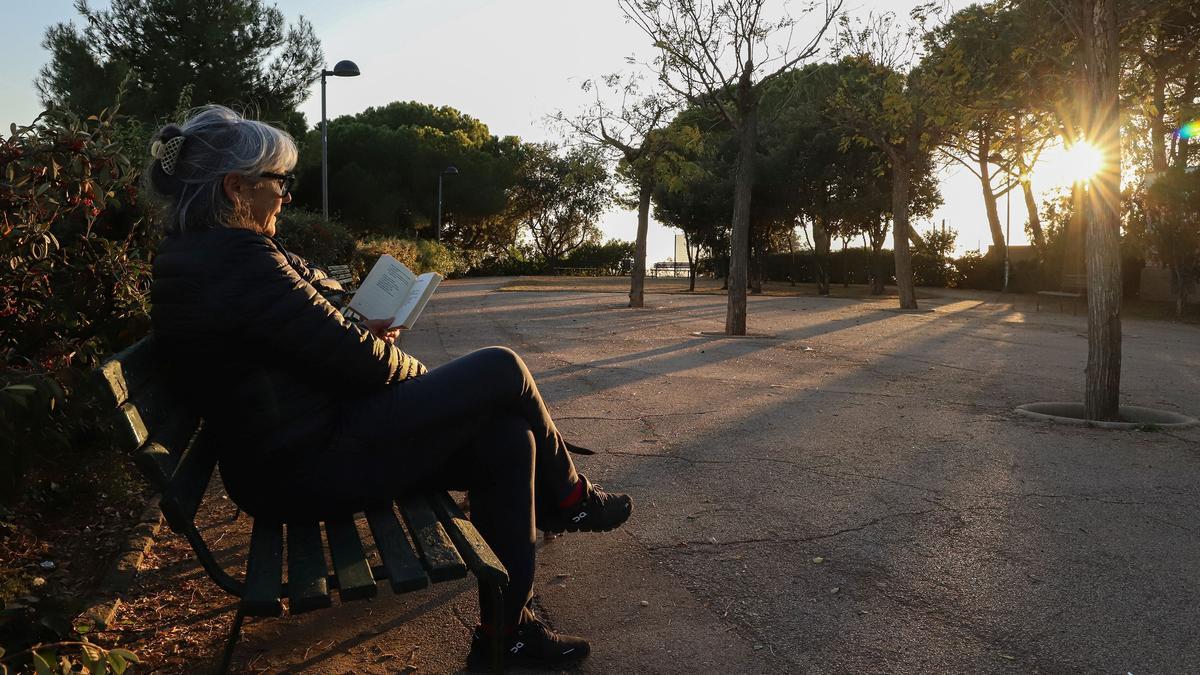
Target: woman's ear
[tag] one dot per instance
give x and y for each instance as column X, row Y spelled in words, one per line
column 231, row 183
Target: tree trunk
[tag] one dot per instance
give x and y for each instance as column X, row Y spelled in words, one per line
column 821, row 244
column 1181, row 284
column 845, row 264
column 989, row 196
column 1186, row 100
column 1158, row 148
column 792, row 272
column 687, row 246
column 900, row 226
column 1035, row 221
column 1100, row 51
column 876, row 264
column 637, row 284
column 739, row 245
column 755, row 277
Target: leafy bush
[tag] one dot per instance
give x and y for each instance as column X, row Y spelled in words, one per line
column 27, row 402
column 433, row 256
column 74, row 271
column 845, row 266
column 516, row 260
column 1173, row 213
column 614, row 257
column 306, row 234
column 421, row 255
column 979, row 271
column 933, row 270
column 64, row 658
column 73, row 251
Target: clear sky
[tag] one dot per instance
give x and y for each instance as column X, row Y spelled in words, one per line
column 508, row 63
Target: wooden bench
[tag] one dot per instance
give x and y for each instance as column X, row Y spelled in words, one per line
column 434, row 543
column 673, row 269
column 1073, row 288
column 343, row 275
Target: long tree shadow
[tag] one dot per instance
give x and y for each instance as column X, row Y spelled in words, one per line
column 906, row 521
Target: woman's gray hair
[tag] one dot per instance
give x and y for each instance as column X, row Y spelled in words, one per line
column 216, row 142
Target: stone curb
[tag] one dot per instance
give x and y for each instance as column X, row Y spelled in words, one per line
column 102, row 609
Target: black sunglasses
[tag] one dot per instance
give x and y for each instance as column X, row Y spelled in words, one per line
column 286, row 181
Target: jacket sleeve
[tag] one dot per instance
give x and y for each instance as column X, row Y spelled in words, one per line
column 281, row 311
column 316, row 276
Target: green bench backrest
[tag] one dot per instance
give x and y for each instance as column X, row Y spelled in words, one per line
column 161, row 433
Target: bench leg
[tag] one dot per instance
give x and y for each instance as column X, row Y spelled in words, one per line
column 497, row 597
column 234, row 635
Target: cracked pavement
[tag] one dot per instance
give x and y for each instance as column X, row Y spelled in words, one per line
column 851, row 494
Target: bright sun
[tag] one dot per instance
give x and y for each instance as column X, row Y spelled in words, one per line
column 1063, row 166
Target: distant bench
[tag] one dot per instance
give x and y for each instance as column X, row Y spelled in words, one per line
column 342, row 275
column 676, row 269
column 1073, row 288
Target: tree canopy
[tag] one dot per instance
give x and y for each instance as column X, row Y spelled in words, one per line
column 239, row 53
column 384, row 165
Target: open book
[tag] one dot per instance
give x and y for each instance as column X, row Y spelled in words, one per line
column 392, row 291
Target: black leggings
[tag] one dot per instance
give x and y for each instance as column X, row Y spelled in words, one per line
column 477, row 424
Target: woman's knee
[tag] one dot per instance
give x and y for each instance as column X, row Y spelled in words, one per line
column 504, row 359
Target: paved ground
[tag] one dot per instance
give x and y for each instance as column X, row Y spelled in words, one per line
column 851, row 494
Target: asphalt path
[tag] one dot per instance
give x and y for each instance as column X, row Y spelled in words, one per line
column 851, row 492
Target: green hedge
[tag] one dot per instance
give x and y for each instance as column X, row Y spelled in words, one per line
column 306, row 234
column 420, row 255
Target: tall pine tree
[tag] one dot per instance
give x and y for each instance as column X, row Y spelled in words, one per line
column 234, row 52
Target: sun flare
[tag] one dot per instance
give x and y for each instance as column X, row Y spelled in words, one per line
column 1083, row 161
column 1064, row 166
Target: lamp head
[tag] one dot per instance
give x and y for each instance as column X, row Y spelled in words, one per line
column 345, row 69
column 450, row 171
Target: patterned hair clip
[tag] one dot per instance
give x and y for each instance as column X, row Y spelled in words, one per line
column 167, row 153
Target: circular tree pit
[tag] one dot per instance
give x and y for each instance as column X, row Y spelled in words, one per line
column 1132, row 417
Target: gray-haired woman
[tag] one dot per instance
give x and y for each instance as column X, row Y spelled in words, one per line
column 253, row 345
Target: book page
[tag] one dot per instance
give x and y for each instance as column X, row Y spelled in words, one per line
column 385, row 289
column 420, row 293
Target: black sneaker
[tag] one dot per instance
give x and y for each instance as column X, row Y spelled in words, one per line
column 597, row 512
column 532, row 645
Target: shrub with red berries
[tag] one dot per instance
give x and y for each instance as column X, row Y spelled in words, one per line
column 73, row 251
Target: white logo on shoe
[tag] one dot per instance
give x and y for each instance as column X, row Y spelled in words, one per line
column 581, row 516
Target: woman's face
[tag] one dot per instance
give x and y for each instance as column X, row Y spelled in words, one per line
column 260, row 198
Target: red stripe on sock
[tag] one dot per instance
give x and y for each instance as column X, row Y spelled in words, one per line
column 574, row 498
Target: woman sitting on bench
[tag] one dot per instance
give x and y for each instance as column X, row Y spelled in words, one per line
column 316, row 415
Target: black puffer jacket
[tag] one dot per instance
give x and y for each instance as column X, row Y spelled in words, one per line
column 253, row 346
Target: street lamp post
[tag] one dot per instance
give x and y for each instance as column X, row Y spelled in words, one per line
column 342, row 69
column 1007, row 235
column 448, row 171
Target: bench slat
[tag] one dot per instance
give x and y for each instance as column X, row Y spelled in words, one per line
column 350, row 564
column 132, row 429
column 437, row 552
column 307, row 585
column 403, row 567
column 149, row 411
column 264, row 570
column 127, row 371
column 475, row 551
